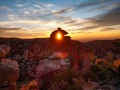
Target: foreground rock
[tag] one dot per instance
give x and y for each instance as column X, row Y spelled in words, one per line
column 47, row 67
column 9, row 73
column 9, row 70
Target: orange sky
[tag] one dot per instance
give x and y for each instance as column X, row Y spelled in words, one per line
column 82, row 36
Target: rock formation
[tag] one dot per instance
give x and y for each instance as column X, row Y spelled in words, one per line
column 9, row 70
column 65, row 40
column 47, row 67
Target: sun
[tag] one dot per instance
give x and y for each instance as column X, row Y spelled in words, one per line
column 59, row 36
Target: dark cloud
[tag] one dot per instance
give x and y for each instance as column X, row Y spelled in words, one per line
column 90, row 3
column 111, row 18
column 1, row 28
column 108, row 6
column 71, row 21
column 61, row 11
column 66, row 10
column 63, row 18
column 78, row 6
column 58, row 14
column 108, row 29
column 108, row 19
column 89, row 28
column 75, row 32
column 80, row 32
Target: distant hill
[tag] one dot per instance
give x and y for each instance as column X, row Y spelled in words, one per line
column 102, row 42
column 104, row 46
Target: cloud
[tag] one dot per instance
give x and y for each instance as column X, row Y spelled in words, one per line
column 35, row 11
column 49, row 5
column 33, row 24
column 42, row 11
column 61, row 11
column 72, row 21
column 13, row 17
column 38, row 6
column 9, row 28
column 82, row 32
column 41, row 17
column 3, row 7
column 104, row 22
column 108, row 29
column 79, row 6
column 108, row 7
column 21, row 33
column 108, row 19
column 88, row 28
column 90, row 3
column 19, row 5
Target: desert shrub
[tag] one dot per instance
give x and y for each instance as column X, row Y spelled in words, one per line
column 30, row 86
column 73, row 87
column 103, row 63
column 94, row 68
column 61, row 75
column 62, row 85
column 116, row 64
column 90, row 75
column 91, row 85
column 100, row 69
column 66, row 75
column 98, row 72
column 79, row 82
column 70, row 79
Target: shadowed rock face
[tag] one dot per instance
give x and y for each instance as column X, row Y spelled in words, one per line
column 66, row 40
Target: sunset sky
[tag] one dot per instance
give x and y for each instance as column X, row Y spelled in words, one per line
column 83, row 19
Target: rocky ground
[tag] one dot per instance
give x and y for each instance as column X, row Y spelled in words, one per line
column 73, row 67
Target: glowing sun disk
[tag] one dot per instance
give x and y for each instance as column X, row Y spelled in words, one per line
column 59, row 36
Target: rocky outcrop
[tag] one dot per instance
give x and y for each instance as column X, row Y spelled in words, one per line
column 9, row 73
column 47, row 67
column 9, row 70
column 4, row 49
column 32, row 52
column 54, row 42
